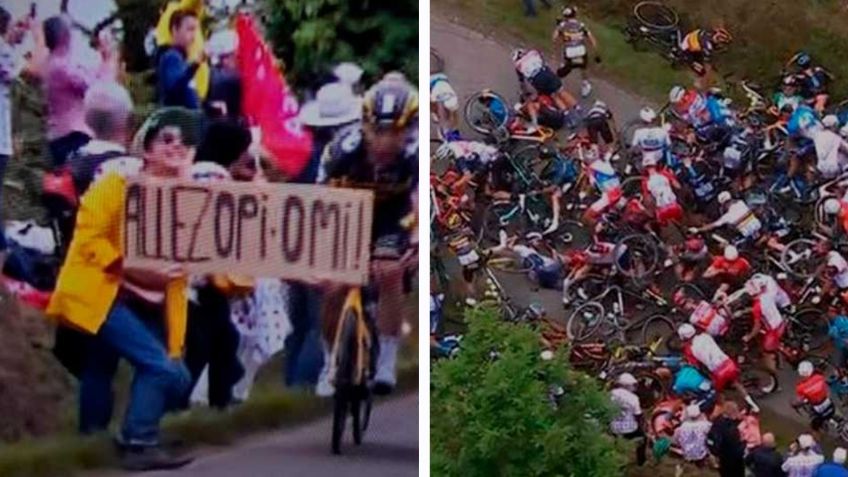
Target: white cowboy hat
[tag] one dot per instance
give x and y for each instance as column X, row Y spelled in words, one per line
column 335, row 104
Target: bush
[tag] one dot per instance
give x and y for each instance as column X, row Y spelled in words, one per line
column 491, row 416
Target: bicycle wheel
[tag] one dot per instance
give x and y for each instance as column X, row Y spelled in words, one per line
column 663, row 329
column 810, row 327
column 637, row 256
column 346, row 380
column 758, row 382
column 585, row 321
column 486, row 112
column 656, row 15
column 800, row 257
column 497, row 217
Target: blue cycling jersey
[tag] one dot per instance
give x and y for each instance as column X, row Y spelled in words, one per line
column 838, row 331
column 548, row 274
column 690, row 380
column 719, row 112
column 803, row 120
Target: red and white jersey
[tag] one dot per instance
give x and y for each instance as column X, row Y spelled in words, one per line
column 707, row 318
column 766, row 310
column 530, row 64
column 659, row 185
column 706, row 351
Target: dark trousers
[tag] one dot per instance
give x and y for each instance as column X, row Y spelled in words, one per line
column 212, row 339
column 304, row 356
column 641, row 445
column 530, row 8
column 4, row 161
column 62, row 147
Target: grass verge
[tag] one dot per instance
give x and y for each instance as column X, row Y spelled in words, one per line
column 269, row 407
column 642, row 72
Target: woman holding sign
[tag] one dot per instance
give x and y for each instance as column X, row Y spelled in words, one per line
column 125, row 309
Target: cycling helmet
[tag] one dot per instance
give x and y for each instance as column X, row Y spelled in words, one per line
column 685, row 331
column 803, row 59
column 724, row 197
column 627, row 379
column 806, row 441
column 720, row 35
column 830, row 121
column 517, row 54
column 676, row 94
column 832, row 206
column 730, row 253
column 392, row 102
column 569, row 12
column 647, row 114
column 805, row 369
column 756, row 284
column 600, row 105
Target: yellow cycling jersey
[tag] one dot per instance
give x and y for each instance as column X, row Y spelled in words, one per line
column 692, row 41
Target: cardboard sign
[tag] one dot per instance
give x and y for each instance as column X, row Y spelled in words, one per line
column 290, row 231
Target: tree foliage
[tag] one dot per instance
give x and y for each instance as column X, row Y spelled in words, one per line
column 491, row 416
column 310, row 36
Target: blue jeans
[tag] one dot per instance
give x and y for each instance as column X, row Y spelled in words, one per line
column 158, row 381
column 304, row 355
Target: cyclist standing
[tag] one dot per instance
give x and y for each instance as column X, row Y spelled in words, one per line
column 381, row 154
column 812, row 390
column 574, row 36
column 444, row 103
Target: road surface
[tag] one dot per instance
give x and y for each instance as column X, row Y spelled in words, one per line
column 390, row 449
column 474, row 62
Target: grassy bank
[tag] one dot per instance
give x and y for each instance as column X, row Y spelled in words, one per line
column 269, row 407
column 643, row 73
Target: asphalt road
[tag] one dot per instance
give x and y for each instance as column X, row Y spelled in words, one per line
column 474, row 62
column 390, row 449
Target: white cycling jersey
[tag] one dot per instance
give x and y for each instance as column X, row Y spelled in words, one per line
column 661, row 190
column 653, row 142
column 603, row 175
column 836, row 260
column 707, row 352
column 706, row 317
column 442, row 92
column 466, row 149
column 530, row 64
column 742, row 218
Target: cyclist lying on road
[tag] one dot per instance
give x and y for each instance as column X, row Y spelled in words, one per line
column 545, row 267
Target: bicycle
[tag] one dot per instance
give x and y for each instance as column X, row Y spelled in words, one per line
column 351, row 357
column 593, row 319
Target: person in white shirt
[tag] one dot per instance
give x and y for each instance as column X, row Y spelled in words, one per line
column 651, row 140
column 836, row 273
column 691, row 436
column 804, row 460
column 700, row 349
column 627, row 423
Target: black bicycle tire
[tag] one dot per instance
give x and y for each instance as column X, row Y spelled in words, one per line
column 466, row 109
column 646, row 273
column 661, row 7
column 783, row 256
column 592, row 328
column 356, row 420
column 574, row 298
column 344, row 380
column 672, row 336
column 820, row 339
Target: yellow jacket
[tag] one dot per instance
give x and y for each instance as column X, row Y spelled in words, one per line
column 163, row 37
column 91, row 275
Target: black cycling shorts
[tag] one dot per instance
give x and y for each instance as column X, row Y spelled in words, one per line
column 571, row 64
column 598, row 128
column 546, row 82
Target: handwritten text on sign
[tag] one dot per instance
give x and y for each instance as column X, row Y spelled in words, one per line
column 289, row 231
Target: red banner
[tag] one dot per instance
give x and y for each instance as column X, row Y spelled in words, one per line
column 268, row 102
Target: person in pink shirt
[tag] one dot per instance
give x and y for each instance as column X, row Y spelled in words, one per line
column 66, row 78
